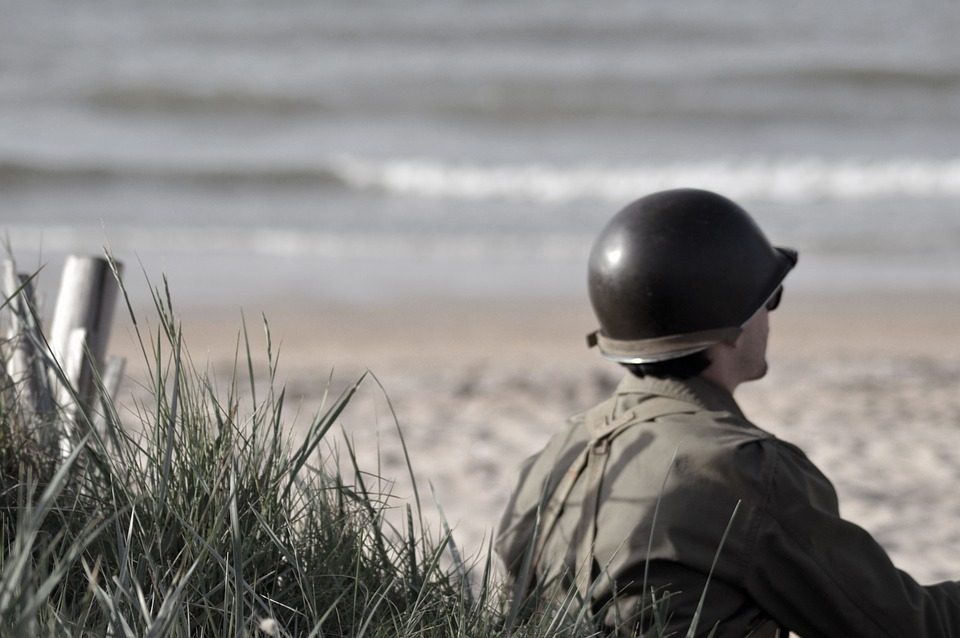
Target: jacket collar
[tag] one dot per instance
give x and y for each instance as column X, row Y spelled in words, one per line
column 696, row 390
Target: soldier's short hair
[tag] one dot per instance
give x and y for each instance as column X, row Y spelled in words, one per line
column 679, row 368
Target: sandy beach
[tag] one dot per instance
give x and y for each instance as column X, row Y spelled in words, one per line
column 867, row 386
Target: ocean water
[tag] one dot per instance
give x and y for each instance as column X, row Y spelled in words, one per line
column 356, row 151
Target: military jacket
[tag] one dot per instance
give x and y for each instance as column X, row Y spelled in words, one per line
column 642, row 489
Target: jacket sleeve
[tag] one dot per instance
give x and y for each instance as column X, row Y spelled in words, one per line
column 820, row 575
column 539, row 474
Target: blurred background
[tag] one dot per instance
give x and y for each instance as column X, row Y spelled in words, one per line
column 332, row 151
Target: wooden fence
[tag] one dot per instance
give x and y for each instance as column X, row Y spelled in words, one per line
column 59, row 382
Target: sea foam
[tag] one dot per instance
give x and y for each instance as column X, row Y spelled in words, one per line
column 778, row 180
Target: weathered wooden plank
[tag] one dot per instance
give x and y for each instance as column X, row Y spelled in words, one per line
column 88, row 294
column 24, row 364
column 110, row 386
column 80, row 332
column 75, row 360
column 19, row 294
column 27, row 362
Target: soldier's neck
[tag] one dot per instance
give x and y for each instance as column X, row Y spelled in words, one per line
column 719, row 376
column 726, row 367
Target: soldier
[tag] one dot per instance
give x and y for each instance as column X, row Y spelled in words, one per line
column 665, row 495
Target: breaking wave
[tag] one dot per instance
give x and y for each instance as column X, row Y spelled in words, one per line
column 777, row 180
column 786, row 181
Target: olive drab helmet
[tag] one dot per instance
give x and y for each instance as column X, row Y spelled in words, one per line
column 677, row 271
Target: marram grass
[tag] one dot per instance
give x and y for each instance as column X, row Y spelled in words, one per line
column 206, row 519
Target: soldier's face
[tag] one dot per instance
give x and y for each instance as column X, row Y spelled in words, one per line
column 752, row 346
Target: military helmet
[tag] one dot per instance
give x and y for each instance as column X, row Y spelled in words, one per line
column 677, row 271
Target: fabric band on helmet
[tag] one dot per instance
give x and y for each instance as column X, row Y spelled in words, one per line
column 659, row 348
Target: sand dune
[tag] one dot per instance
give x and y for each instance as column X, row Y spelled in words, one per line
column 867, row 386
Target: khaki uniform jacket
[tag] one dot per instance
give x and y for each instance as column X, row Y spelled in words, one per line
column 650, row 480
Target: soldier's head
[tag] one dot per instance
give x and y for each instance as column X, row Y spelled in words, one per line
column 678, row 278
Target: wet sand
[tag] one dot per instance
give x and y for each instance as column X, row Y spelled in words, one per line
column 869, row 387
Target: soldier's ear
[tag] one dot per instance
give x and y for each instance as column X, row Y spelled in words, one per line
column 732, row 341
column 720, row 351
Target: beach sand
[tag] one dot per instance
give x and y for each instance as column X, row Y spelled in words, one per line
column 868, row 386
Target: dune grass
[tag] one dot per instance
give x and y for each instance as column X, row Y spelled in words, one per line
column 201, row 516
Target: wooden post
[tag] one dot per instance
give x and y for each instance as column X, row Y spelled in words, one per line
column 112, row 377
column 19, row 296
column 80, row 332
column 25, row 366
